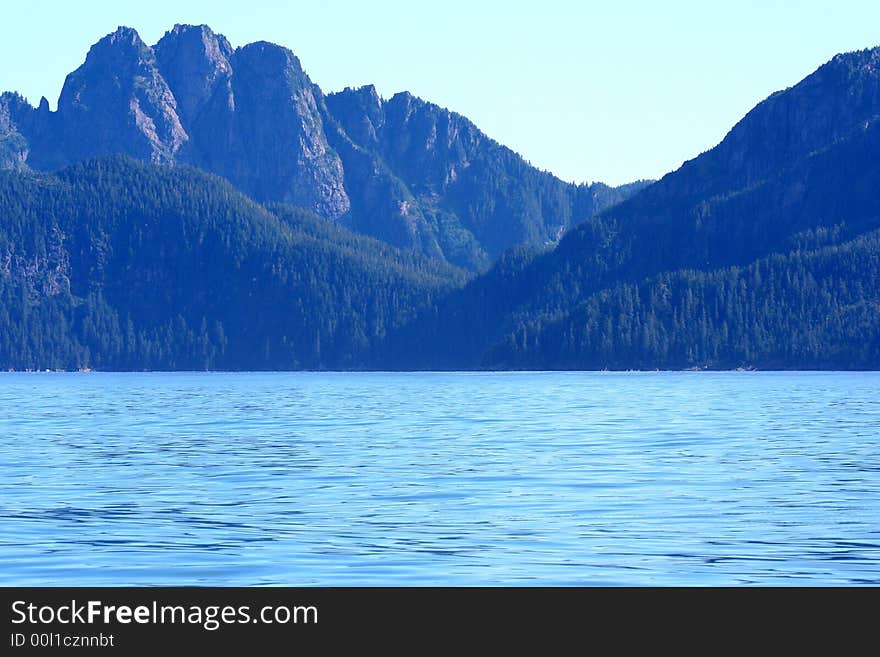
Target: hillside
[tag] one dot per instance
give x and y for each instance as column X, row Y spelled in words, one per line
column 116, row 264
column 798, row 174
column 403, row 170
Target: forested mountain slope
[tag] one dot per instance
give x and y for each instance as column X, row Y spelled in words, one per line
column 116, row 264
column 403, row 170
column 798, row 174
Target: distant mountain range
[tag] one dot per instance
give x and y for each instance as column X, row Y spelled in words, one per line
column 762, row 252
column 403, row 170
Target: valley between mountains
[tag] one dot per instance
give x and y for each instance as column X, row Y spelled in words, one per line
column 193, row 206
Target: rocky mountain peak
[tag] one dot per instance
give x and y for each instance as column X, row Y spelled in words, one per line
column 839, row 97
column 262, row 60
column 122, row 47
column 278, row 133
column 123, row 35
column 360, row 112
column 366, row 97
column 369, row 91
column 117, row 101
column 195, row 63
column 404, row 170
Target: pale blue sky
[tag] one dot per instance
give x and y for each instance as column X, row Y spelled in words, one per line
column 612, row 91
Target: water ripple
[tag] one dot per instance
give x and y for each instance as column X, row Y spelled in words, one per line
column 459, row 479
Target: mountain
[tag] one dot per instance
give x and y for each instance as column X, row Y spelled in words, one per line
column 763, row 252
column 124, row 265
column 760, row 252
column 406, row 171
column 461, row 191
column 815, row 309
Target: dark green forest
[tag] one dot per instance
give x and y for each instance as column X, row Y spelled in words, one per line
column 116, row 264
column 121, row 265
column 816, row 309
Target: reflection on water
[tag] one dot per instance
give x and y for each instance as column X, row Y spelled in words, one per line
column 459, row 479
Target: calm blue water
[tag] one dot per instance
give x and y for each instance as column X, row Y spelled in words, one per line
column 460, row 479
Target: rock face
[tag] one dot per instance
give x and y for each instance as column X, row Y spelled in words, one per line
column 841, row 97
column 117, row 101
column 476, row 197
column 196, row 64
column 762, row 250
column 252, row 116
column 279, row 136
column 403, row 170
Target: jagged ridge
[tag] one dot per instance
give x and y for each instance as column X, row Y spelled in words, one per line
column 404, row 170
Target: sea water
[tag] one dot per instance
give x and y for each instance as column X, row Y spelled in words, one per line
column 439, row 478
